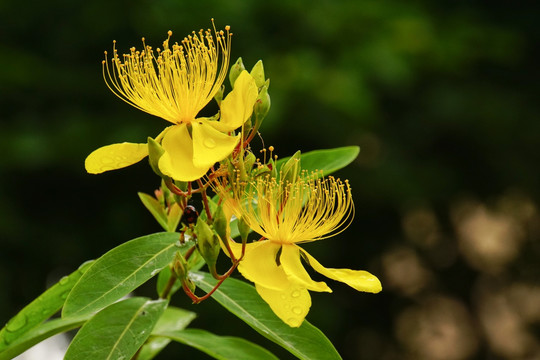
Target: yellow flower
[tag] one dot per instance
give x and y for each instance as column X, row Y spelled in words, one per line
column 285, row 215
column 175, row 85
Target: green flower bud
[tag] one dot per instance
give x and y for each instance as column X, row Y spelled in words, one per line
column 249, row 160
column 219, row 95
column 207, row 243
column 243, row 229
column 258, row 73
column 235, row 71
column 291, row 169
column 155, row 151
column 180, row 266
column 221, row 223
column 262, row 105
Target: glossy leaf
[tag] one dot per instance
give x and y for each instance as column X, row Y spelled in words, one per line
column 40, row 333
column 42, row 308
column 172, row 319
column 116, row 332
column 220, row 347
column 120, row 271
column 173, row 217
column 305, row 342
column 327, row 160
column 155, row 208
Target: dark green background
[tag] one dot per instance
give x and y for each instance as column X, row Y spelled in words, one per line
column 442, row 97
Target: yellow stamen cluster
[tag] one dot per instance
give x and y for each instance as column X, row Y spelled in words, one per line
column 178, row 82
column 306, row 210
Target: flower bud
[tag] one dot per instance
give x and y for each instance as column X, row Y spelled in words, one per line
column 219, row 95
column 262, row 105
column 243, row 229
column 180, row 266
column 235, row 71
column 155, row 151
column 207, row 244
column 221, row 223
column 249, row 160
column 258, row 73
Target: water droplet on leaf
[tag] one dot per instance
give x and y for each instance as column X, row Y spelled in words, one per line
column 64, row 280
column 16, row 323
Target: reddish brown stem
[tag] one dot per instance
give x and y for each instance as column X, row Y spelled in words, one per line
column 205, row 200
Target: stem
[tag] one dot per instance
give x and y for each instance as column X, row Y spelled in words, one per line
column 169, row 285
column 205, row 200
column 197, row 299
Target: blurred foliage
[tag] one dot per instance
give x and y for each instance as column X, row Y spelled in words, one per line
column 442, row 97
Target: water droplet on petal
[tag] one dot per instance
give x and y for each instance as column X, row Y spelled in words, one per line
column 283, row 297
column 16, row 323
column 209, row 143
column 297, row 310
column 295, row 294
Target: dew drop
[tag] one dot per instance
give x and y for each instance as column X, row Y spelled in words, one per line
column 297, row 310
column 154, row 272
column 16, row 323
column 64, row 295
column 295, row 294
column 64, row 280
column 209, row 143
column 283, row 297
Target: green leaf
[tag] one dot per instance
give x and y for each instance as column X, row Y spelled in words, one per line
column 116, row 332
column 40, row 333
column 327, row 161
column 220, row 347
column 42, row 308
column 173, row 217
column 120, row 271
column 172, row 319
column 155, row 208
column 305, row 342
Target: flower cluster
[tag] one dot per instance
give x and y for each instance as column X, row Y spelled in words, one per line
column 285, row 207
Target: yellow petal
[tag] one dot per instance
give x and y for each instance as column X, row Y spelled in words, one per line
column 115, row 156
column 291, row 304
column 210, row 145
column 357, row 279
column 237, row 107
column 177, row 161
column 292, row 265
column 259, row 266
